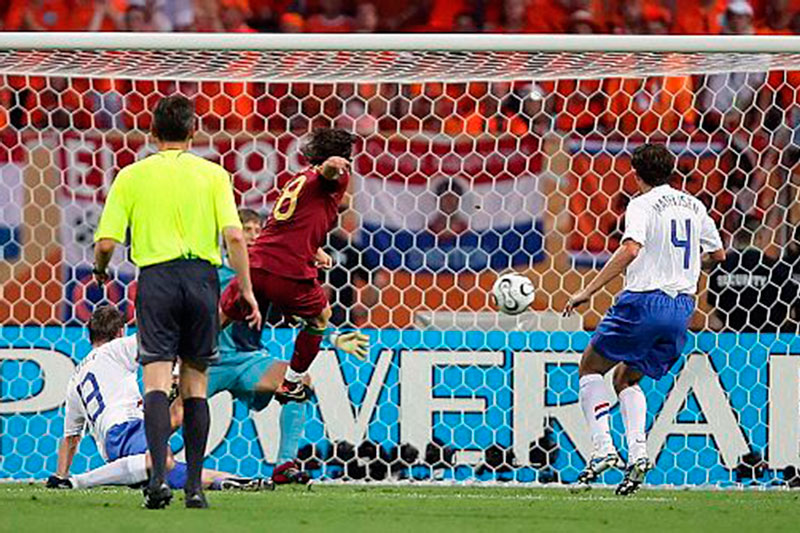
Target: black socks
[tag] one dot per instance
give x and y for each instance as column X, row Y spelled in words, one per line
column 196, row 420
column 157, row 430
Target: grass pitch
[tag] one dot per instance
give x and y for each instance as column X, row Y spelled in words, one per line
column 405, row 509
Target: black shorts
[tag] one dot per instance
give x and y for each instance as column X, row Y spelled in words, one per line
column 176, row 312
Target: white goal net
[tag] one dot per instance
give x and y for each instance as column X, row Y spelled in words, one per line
column 476, row 155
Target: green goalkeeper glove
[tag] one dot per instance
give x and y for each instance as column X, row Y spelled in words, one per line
column 353, row 342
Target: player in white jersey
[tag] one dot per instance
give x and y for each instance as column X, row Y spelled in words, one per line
column 668, row 238
column 103, row 393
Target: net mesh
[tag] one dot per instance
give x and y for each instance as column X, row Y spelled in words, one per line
column 376, row 65
column 468, row 164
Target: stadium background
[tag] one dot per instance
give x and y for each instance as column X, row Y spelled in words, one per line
column 455, row 182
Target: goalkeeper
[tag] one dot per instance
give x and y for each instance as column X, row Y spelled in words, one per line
column 250, row 374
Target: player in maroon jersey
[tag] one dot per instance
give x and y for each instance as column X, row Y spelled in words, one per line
column 285, row 258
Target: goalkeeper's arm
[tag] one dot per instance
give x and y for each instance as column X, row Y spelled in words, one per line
column 350, row 342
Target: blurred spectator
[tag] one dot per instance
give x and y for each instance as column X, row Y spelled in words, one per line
column 513, row 18
column 356, row 119
column 578, row 105
column 751, row 291
column 38, row 15
column 582, row 22
column 791, row 257
column 292, row 23
column 366, row 18
column 136, row 19
column 450, row 221
column 738, row 18
column 550, row 16
column 331, row 19
column 628, row 18
column 234, row 15
column 465, row 22
column 725, row 98
column 206, row 16
column 265, row 15
column 182, row 14
column 406, row 16
column 696, row 17
column 97, row 15
column 157, row 18
column 656, row 20
column 658, row 105
column 777, row 18
column 445, row 14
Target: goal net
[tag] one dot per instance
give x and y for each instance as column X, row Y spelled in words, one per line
column 476, row 155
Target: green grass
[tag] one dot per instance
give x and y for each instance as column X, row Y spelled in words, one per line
column 407, row 509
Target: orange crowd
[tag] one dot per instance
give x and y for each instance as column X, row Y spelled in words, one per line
column 334, row 16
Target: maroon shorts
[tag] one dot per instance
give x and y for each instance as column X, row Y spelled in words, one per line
column 300, row 297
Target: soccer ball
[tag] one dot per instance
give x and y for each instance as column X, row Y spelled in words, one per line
column 513, row 293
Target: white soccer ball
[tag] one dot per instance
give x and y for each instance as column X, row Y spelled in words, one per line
column 513, row 293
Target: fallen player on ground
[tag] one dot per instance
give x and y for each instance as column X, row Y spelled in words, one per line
column 104, row 395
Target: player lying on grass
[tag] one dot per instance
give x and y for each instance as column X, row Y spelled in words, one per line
column 247, row 370
column 103, row 393
column 668, row 238
column 285, row 256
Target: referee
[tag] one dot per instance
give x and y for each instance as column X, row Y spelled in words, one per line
column 175, row 205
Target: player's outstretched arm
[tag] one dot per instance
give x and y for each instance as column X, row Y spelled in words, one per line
column 623, row 257
column 334, row 167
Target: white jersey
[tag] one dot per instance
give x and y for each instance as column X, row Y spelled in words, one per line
column 103, row 391
column 674, row 229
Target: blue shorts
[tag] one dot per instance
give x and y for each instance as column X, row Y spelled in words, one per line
column 645, row 330
column 129, row 438
column 238, row 373
column 126, row 439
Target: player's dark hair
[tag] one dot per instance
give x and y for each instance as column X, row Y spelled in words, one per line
column 327, row 142
column 654, row 163
column 173, row 119
column 105, row 324
column 249, row 215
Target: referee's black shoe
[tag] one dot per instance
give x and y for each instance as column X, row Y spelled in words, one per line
column 157, row 497
column 196, row 500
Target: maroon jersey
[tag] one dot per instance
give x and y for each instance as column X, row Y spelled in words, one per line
column 302, row 216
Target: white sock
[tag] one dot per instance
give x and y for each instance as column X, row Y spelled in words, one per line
column 596, row 407
column 123, row 471
column 294, row 377
column 634, row 414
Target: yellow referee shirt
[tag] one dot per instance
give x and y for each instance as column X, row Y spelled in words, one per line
column 175, row 203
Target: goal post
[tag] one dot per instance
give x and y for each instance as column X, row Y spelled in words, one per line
column 477, row 154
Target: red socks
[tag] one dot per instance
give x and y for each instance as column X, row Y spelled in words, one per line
column 306, row 347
